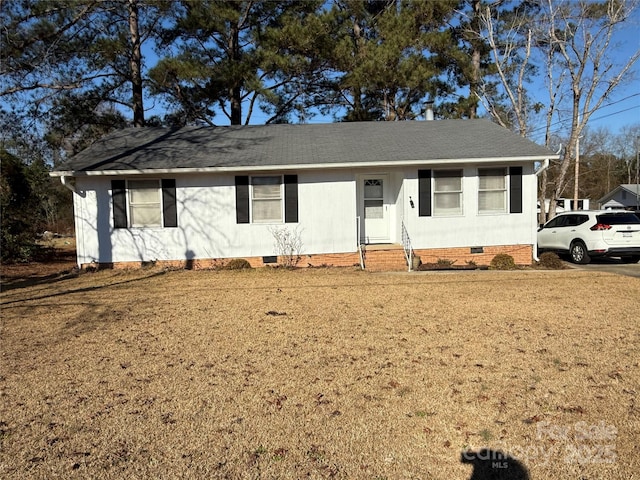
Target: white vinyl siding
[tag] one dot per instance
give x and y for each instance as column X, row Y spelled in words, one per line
column 447, row 192
column 492, row 190
column 266, row 199
column 145, row 208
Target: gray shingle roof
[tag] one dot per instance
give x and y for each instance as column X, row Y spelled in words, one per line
column 631, row 188
column 302, row 146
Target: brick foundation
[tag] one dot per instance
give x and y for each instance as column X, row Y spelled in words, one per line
column 522, row 254
column 377, row 258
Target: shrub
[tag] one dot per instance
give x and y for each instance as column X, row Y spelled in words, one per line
column 18, row 248
column 288, row 245
column 502, row 261
column 237, row 264
column 550, row 260
column 445, row 262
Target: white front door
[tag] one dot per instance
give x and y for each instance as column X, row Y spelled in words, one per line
column 374, row 209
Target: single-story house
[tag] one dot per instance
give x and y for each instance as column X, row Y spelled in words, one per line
column 348, row 193
column 625, row 196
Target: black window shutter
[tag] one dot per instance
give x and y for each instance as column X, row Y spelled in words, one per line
column 119, row 197
column 169, row 210
column 291, row 198
column 424, row 193
column 242, row 199
column 515, row 190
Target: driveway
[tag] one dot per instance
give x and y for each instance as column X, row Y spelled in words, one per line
column 611, row 265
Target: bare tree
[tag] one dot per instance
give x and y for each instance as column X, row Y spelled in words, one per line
column 510, row 37
column 579, row 46
column 572, row 42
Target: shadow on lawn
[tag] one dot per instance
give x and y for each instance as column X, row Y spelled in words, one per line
column 494, row 465
column 82, row 290
column 22, row 282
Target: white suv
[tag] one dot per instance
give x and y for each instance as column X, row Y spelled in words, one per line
column 586, row 234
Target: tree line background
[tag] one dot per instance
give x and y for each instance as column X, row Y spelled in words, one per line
column 72, row 71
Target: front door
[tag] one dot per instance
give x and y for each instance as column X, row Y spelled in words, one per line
column 374, row 209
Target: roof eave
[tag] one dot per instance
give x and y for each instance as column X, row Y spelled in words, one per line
column 312, row 166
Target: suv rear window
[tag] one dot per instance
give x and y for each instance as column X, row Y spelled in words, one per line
column 617, row 218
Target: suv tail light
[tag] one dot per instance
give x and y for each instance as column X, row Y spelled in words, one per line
column 600, row 226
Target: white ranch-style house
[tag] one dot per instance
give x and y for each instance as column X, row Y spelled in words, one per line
column 353, row 194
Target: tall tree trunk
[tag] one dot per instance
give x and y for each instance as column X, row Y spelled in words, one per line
column 542, row 196
column 235, row 92
column 475, row 59
column 136, row 65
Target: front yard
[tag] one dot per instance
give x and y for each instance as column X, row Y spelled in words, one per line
column 320, row 373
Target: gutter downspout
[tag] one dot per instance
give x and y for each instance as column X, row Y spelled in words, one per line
column 69, row 182
column 545, row 165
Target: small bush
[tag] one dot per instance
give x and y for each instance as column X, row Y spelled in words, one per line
column 288, row 245
column 550, row 260
column 445, row 262
column 237, row 264
column 502, row 261
column 18, row 248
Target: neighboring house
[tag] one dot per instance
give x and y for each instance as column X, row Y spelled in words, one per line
column 625, row 196
column 459, row 189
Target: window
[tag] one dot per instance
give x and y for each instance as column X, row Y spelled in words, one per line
column 266, row 199
column 554, row 222
column 440, row 191
column 144, row 203
column 575, row 220
column 618, row 218
column 373, row 198
column 447, row 192
column 492, row 190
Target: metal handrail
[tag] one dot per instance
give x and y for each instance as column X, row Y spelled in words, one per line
column 406, row 247
column 359, row 244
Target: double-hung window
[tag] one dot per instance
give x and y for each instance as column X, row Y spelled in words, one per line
column 492, row 190
column 144, row 203
column 447, row 192
column 499, row 191
column 266, row 199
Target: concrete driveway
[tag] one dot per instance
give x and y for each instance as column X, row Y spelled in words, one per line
column 611, row 265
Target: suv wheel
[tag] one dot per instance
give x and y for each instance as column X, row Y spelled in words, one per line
column 578, row 252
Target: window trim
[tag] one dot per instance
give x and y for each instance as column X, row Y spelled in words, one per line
column 252, row 199
column 435, row 193
column 288, row 192
column 122, row 206
column 505, row 191
column 131, row 205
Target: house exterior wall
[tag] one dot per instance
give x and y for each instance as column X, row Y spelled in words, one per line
column 328, row 208
column 207, row 225
column 471, row 228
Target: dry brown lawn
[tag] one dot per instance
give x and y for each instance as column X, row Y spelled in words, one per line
column 323, row 373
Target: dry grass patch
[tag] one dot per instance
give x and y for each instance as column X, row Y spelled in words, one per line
column 319, row 374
